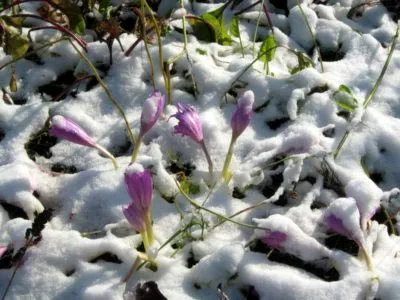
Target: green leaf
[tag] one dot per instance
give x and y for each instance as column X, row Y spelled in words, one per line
column 190, row 187
column 15, row 22
column 219, row 11
column 234, row 27
column 303, row 63
column 268, row 49
column 15, row 44
column 105, row 7
column 344, row 98
column 202, row 30
column 13, row 83
column 201, row 51
column 72, row 11
column 218, row 25
column 344, row 88
column 364, row 165
column 104, row 4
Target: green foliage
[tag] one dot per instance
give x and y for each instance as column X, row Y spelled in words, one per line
column 13, row 83
column 189, row 187
column 364, row 165
column 15, row 43
column 268, row 49
column 234, row 27
column 202, row 30
column 303, row 62
column 344, row 98
column 201, row 51
column 218, row 24
column 71, row 10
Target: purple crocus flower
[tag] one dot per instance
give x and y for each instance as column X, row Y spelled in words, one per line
column 67, row 129
column 139, row 184
column 2, row 250
column 151, row 112
column 135, row 216
column 336, row 225
column 274, row 239
column 343, row 217
column 189, row 122
column 242, row 115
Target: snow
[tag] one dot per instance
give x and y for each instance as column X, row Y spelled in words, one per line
column 295, row 120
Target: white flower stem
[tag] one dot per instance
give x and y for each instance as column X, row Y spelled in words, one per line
column 108, row 154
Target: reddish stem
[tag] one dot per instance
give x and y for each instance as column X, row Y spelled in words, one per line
column 81, row 42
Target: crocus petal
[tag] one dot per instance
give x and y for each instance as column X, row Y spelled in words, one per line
column 243, row 113
column 343, row 217
column 139, row 184
column 67, row 129
column 135, row 216
column 151, row 112
column 274, row 239
column 367, row 195
column 2, row 250
column 189, row 122
column 336, row 225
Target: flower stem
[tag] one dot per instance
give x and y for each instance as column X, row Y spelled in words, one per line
column 208, row 157
column 160, row 49
column 149, row 229
column 145, row 240
column 385, row 66
column 143, row 34
column 239, row 212
column 65, row 30
column 226, row 174
column 392, row 230
column 131, row 270
column 371, row 94
column 109, row 155
column 255, row 31
column 367, row 257
column 312, row 35
column 187, row 197
column 106, row 90
column 136, row 148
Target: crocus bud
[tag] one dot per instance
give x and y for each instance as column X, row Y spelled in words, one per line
column 189, row 122
column 2, row 250
column 139, row 184
column 286, row 236
column 274, row 239
column 367, row 195
column 67, row 129
column 135, row 217
column 343, row 217
column 151, row 112
column 242, row 115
